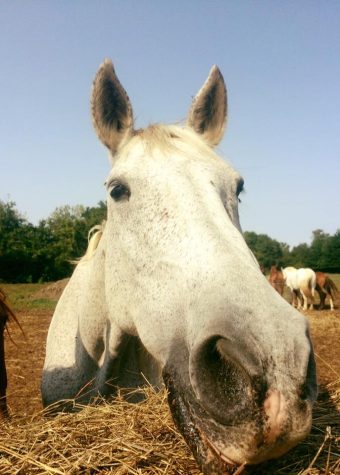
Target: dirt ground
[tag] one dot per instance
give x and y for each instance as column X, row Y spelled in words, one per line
column 25, row 357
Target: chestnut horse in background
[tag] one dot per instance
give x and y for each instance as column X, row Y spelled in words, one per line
column 6, row 314
column 276, row 279
column 325, row 286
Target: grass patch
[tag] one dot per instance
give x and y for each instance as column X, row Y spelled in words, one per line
column 336, row 279
column 21, row 297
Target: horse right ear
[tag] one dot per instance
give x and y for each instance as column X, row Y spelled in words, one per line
column 111, row 109
column 208, row 112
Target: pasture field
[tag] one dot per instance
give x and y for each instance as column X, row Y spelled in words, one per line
column 34, row 305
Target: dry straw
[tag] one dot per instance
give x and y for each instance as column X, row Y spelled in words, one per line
column 123, row 438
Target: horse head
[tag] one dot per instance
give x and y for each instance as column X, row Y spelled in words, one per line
column 173, row 291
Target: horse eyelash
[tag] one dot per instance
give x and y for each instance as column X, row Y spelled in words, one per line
column 239, row 185
column 239, row 193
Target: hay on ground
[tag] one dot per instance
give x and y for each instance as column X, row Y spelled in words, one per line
column 123, row 438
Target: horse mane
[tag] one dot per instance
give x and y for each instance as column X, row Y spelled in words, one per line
column 93, row 238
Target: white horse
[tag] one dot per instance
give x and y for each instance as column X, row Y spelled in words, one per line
column 301, row 282
column 172, row 293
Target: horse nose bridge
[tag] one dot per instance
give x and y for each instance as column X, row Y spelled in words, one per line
column 218, row 253
column 219, row 284
column 258, row 338
column 236, row 306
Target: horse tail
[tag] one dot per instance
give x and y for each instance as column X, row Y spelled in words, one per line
column 9, row 315
column 312, row 283
column 331, row 286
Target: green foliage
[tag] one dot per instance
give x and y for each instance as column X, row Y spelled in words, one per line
column 323, row 254
column 15, row 233
column 267, row 251
column 45, row 252
column 325, row 251
column 300, row 256
column 22, row 297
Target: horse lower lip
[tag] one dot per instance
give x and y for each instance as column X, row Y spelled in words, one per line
column 230, row 464
column 217, row 452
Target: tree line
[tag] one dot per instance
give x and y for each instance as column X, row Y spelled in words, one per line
column 323, row 254
column 47, row 252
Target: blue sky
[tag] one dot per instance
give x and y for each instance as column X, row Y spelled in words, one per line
column 281, row 64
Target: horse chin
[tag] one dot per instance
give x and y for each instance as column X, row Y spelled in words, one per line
column 209, row 458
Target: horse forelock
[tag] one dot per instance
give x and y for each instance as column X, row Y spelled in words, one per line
column 168, row 139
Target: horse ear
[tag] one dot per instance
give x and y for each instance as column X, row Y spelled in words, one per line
column 111, row 109
column 208, row 112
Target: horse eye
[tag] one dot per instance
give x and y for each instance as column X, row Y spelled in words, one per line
column 119, row 192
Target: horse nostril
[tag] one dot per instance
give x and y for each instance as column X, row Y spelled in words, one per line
column 223, row 386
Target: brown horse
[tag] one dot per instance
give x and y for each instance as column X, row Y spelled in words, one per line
column 276, row 279
column 6, row 314
column 325, row 286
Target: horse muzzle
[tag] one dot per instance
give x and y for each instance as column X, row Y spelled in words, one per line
column 230, row 413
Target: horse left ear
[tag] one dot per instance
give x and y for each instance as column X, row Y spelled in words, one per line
column 208, row 112
column 111, row 108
